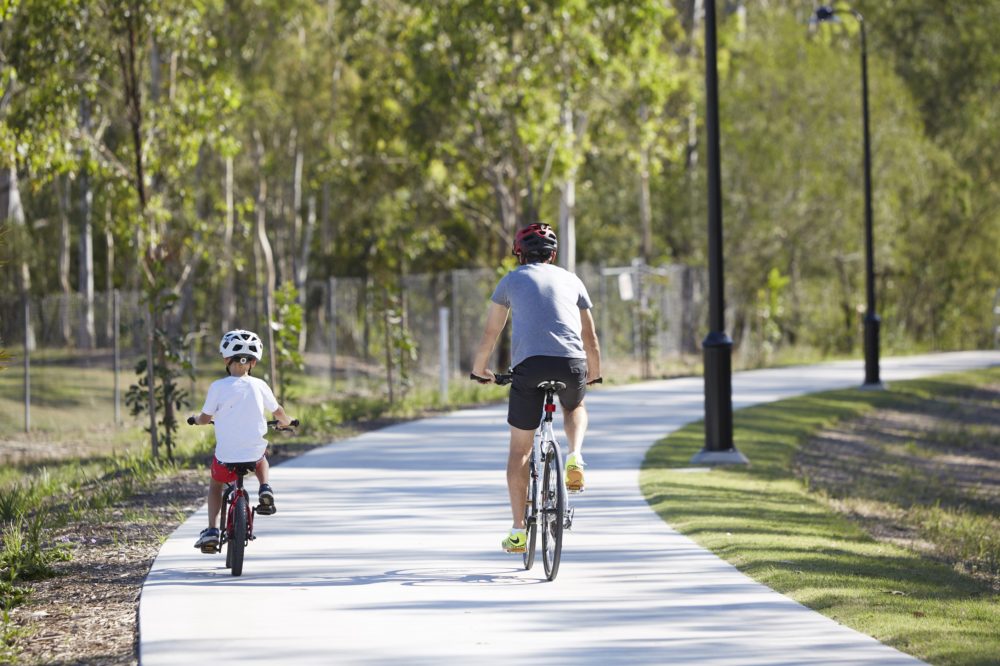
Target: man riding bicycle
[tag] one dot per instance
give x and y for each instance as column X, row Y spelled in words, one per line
column 552, row 338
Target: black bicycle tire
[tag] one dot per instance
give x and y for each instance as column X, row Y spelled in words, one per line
column 223, row 534
column 531, row 519
column 239, row 538
column 553, row 510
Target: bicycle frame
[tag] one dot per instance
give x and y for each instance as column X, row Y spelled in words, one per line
column 229, row 494
column 232, row 523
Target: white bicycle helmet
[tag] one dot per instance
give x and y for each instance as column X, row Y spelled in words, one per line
column 239, row 342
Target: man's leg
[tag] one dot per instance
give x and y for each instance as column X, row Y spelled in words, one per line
column 517, row 472
column 575, row 424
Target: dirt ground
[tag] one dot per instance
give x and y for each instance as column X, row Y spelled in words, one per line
column 891, row 469
column 88, row 613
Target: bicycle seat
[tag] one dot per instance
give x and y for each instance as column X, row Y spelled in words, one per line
column 241, row 468
column 551, row 385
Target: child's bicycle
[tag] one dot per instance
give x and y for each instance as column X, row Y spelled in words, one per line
column 236, row 528
column 548, row 501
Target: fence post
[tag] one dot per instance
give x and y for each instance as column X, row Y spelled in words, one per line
column 27, row 363
column 331, row 322
column 456, row 344
column 604, row 335
column 443, row 351
column 116, row 344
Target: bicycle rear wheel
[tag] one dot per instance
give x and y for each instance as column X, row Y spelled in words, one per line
column 238, row 538
column 531, row 518
column 552, row 510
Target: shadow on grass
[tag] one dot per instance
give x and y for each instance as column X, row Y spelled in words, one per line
column 765, row 521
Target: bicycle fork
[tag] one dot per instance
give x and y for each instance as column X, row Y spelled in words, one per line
column 547, row 434
column 229, row 493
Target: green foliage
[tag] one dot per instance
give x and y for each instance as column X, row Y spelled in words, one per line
column 287, row 329
column 24, row 555
column 400, row 347
column 10, row 631
column 383, row 139
column 770, row 315
column 170, row 365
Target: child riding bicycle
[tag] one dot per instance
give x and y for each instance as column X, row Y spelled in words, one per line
column 237, row 403
column 553, row 338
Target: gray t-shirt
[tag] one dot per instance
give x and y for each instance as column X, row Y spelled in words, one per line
column 545, row 302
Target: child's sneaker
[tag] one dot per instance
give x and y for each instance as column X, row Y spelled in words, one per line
column 208, row 540
column 574, row 473
column 265, row 498
column 515, row 542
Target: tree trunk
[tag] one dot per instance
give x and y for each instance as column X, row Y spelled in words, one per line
column 265, row 247
column 109, row 279
column 61, row 184
column 302, row 274
column 645, row 209
column 228, row 302
column 12, row 211
column 86, row 256
column 327, row 233
column 128, row 56
column 567, row 202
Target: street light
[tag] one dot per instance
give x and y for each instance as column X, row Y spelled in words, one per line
column 872, row 320
column 717, row 346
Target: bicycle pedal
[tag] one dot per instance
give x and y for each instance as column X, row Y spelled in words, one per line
column 210, row 548
column 265, row 510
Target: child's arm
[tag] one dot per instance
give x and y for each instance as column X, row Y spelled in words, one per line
column 283, row 419
column 201, row 419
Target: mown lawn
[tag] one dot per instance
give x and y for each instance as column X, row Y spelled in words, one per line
column 768, row 523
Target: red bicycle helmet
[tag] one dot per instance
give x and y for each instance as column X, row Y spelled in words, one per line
column 535, row 241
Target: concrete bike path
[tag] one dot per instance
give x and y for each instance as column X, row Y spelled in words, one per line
column 385, row 550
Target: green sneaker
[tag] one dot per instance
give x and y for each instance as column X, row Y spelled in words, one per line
column 515, row 542
column 574, row 473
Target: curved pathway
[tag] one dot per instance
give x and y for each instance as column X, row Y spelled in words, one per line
column 385, row 550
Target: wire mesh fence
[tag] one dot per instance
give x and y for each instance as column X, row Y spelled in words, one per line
column 357, row 332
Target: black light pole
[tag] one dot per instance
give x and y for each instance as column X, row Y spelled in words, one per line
column 872, row 320
column 717, row 346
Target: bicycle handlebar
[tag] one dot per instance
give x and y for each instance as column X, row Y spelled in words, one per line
column 499, row 380
column 502, row 379
column 191, row 420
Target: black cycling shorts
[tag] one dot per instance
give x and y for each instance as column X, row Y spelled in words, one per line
column 524, row 410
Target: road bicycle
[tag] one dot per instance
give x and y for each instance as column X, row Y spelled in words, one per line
column 236, row 529
column 547, row 507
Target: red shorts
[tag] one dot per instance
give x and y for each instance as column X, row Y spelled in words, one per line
column 223, row 474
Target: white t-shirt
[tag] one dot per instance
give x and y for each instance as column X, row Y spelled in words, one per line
column 238, row 405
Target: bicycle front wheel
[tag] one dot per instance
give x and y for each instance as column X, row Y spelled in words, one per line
column 552, row 510
column 224, row 528
column 238, row 538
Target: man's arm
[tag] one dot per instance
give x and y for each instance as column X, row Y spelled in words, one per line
column 496, row 318
column 591, row 345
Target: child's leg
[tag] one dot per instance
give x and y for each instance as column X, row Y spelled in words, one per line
column 262, row 470
column 214, row 502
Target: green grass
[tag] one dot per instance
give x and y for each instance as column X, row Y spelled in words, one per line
column 767, row 523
